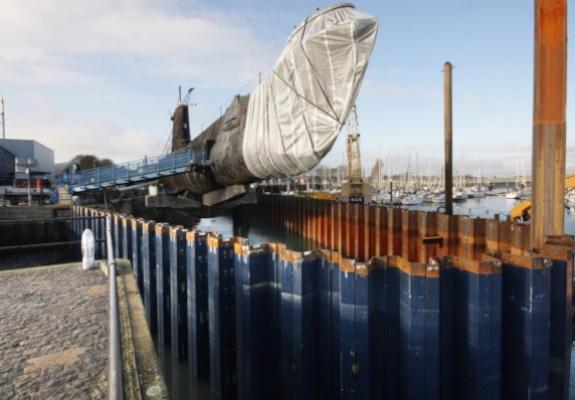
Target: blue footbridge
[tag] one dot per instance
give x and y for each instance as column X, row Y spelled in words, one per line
column 147, row 169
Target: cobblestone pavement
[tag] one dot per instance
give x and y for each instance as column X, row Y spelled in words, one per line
column 53, row 333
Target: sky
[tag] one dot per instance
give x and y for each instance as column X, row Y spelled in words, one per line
column 102, row 77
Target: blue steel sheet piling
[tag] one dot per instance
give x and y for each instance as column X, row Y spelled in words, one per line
column 75, row 228
column 178, row 322
column 197, row 304
column 127, row 241
column 419, row 326
column 100, row 225
column 525, row 321
column 299, row 325
column 561, row 255
column 354, row 330
column 447, row 299
column 221, row 315
column 257, row 331
column 148, row 254
column 118, row 235
column 390, row 378
column 329, row 299
column 134, row 248
column 163, row 283
column 94, row 225
column 383, row 331
column 475, row 361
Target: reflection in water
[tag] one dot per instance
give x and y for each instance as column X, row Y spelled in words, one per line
column 182, row 385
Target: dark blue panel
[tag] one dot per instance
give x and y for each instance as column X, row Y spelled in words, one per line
column 377, row 329
column 390, row 378
column 163, row 284
column 299, row 328
column 97, row 234
column 560, row 330
column 178, row 323
column 477, row 333
column 221, row 316
column 525, row 331
column 447, row 299
column 256, row 327
column 127, row 240
column 135, row 248
column 354, row 331
column 419, row 336
column 148, row 241
column 328, row 286
column 117, row 231
column 100, row 233
column 197, row 304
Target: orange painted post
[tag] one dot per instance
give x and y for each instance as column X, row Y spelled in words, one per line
column 394, row 232
column 326, row 211
column 347, row 246
column 377, row 232
column 428, row 240
column 472, row 237
column 339, row 227
column 409, row 235
column 447, row 228
column 359, row 232
column 520, row 239
column 369, row 231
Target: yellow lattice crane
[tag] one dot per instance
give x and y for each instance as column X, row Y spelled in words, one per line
column 355, row 189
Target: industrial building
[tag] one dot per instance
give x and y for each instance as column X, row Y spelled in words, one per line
column 26, row 167
column 22, row 152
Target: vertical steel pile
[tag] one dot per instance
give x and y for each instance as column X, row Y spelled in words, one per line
column 441, row 307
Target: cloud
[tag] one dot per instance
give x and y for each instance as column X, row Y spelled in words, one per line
column 59, row 41
column 97, row 137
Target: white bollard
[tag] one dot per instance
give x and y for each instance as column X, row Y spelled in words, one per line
column 88, row 250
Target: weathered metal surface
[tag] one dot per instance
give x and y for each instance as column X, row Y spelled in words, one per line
column 197, row 304
column 491, row 321
column 448, row 133
column 178, row 309
column 549, row 127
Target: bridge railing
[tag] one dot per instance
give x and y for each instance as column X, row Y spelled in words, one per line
column 133, row 171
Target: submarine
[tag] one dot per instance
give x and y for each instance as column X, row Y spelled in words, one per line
column 291, row 119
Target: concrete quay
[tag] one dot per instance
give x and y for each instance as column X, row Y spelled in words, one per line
column 54, row 335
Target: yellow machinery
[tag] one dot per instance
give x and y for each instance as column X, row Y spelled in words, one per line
column 522, row 211
column 355, row 189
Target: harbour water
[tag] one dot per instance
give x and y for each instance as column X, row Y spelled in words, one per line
column 181, row 383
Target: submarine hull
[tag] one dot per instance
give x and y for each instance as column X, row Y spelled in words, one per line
column 290, row 121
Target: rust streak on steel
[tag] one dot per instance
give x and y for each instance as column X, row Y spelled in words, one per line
column 549, row 127
column 377, row 232
column 448, row 132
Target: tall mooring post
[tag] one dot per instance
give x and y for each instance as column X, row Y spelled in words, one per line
column 549, row 102
column 448, row 131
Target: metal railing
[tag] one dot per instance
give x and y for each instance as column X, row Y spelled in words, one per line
column 133, row 171
column 115, row 382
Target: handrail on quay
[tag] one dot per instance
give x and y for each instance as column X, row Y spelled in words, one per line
column 115, row 383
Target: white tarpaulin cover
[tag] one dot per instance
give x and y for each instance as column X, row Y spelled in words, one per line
column 295, row 115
